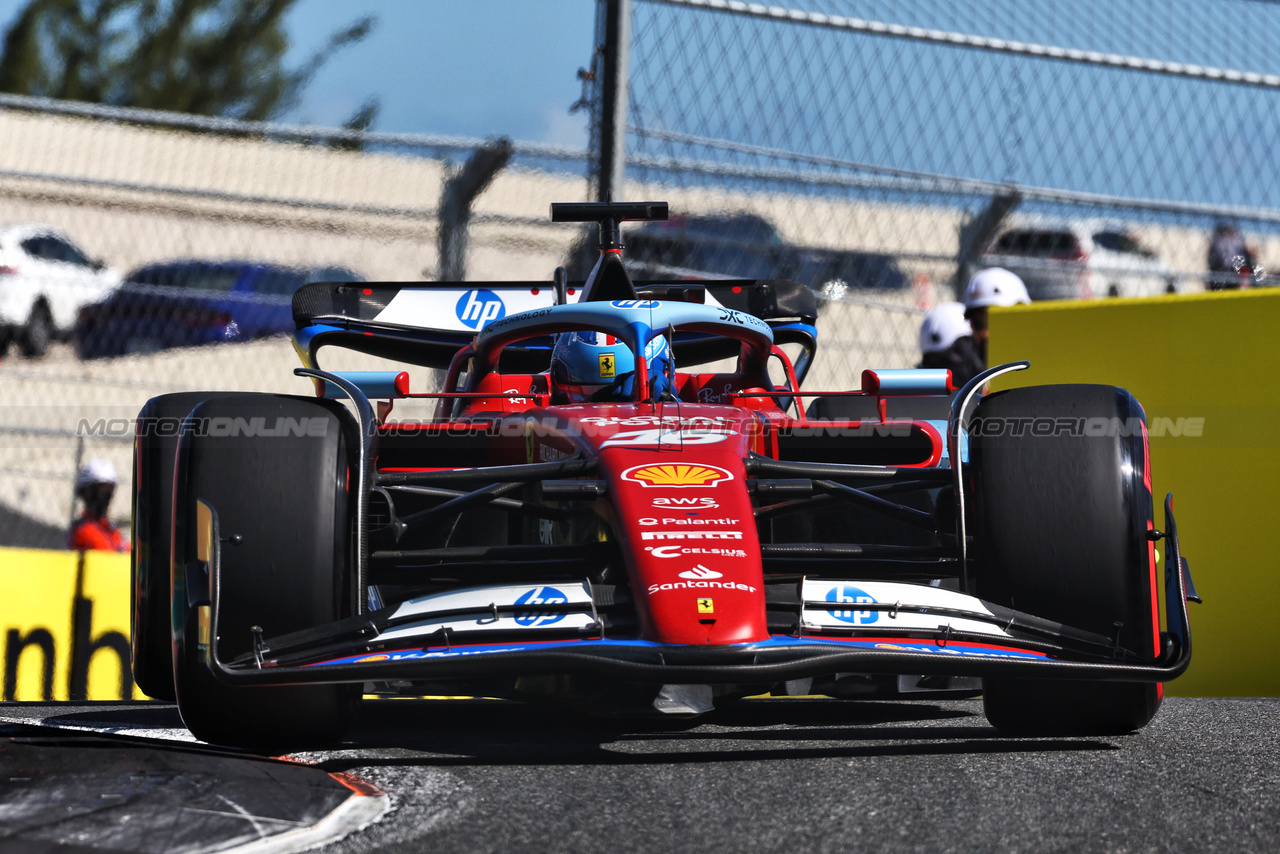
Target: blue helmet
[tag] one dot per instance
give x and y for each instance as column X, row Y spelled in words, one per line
column 595, row 367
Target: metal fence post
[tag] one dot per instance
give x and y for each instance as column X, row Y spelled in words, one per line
column 460, row 191
column 977, row 232
column 613, row 100
column 75, row 474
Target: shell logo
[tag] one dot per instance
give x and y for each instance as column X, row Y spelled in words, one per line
column 676, row 474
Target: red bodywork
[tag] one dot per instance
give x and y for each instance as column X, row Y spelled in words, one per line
column 678, row 505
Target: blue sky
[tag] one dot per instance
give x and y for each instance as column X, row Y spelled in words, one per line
column 475, row 68
column 460, row 67
column 482, row 68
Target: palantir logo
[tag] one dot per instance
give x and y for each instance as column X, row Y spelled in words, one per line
column 848, row 594
column 541, row 596
column 476, row 308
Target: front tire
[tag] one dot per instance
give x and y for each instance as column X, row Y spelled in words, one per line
column 283, row 515
column 1061, row 512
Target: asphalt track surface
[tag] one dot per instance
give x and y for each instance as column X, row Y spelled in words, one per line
column 764, row 775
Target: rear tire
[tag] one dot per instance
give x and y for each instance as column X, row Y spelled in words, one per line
column 153, row 451
column 286, row 499
column 1060, row 524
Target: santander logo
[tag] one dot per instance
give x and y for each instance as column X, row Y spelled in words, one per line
column 700, row 573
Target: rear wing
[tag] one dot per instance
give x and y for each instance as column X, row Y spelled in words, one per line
column 426, row 323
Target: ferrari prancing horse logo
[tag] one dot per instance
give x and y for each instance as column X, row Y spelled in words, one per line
column 706, row 606
column 607, row 366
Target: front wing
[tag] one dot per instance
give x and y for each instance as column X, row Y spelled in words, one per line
column 520, row 630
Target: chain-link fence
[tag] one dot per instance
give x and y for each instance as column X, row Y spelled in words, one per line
column 875, row 150
column 882, row 151
column 148, row 253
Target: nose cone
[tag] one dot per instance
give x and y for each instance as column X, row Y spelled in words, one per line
column 689, row 536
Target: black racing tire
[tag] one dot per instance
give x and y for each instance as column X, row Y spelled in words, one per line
column 154, row 445
column 285, row 520
column 37, row 334
column 1060, row 522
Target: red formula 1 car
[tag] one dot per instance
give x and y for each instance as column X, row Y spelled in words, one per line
column 590, row 518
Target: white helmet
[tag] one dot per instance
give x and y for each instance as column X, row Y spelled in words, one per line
column 944, row 323
column 96, row 471
column 995, row 286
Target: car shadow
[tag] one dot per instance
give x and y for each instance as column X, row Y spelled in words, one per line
column 477, row 733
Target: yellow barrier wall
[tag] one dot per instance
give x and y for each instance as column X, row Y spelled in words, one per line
column 105, row 591
column 1206, row 369
column 39, row 588
column 64, row 625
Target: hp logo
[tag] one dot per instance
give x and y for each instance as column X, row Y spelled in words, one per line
column 540, row 596
column 851, row 595
column 635, row 303
column 476, row 308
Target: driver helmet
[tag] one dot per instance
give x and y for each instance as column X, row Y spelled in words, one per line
column 995, row 286
column 593, row 367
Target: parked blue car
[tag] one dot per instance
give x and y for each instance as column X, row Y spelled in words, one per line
column 189, row 303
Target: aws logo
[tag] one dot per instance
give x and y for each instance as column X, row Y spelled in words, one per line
column 685, row 504
column 677, row 475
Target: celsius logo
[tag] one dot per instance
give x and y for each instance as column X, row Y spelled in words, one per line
column 635, row 303
column 540, row 596
column 851, row 595
column 700, row 573
column 476, row 308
